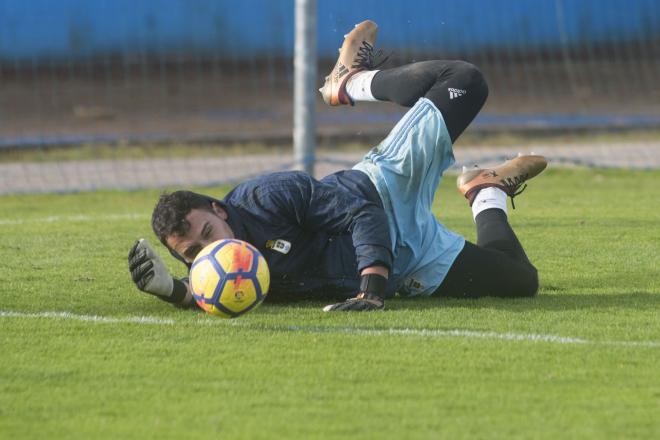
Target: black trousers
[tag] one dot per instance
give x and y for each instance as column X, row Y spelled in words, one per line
column 497, row 265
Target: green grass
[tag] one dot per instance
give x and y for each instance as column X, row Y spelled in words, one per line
column 291, row 371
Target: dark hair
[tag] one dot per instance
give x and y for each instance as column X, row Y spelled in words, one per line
column 169, row 216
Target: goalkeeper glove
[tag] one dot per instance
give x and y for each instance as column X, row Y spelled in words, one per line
column 150, row 275
column 371, row 286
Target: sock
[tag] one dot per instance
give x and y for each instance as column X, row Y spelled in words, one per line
column 489, row 198
column 358, row 86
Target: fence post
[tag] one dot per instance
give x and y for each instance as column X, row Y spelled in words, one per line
column 304, row 89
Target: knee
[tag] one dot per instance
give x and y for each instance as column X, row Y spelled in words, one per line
column 472, row 79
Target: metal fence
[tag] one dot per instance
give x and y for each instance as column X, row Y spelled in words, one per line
column 143, row 72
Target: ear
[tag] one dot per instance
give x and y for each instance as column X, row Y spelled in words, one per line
column 215, row 206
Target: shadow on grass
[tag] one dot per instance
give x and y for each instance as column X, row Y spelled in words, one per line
column 552, row 302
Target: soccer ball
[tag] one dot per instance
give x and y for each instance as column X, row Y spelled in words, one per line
column 229, row 278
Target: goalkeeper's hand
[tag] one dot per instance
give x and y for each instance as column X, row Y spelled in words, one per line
column 363, row 302
column 371, row 287
column 150, row 275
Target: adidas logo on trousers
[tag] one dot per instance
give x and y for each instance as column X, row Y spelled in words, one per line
column 455, row 93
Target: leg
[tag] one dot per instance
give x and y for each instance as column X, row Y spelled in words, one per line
column 458, row 89
column 496, row 266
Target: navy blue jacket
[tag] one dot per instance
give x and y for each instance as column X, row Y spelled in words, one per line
column 315, row 235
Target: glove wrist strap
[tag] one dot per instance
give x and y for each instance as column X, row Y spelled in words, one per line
column 373, row 284
column 179, row 291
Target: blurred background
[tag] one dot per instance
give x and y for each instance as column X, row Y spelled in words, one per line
column 161, row 93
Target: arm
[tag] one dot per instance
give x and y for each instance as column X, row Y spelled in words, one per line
column 315, row 206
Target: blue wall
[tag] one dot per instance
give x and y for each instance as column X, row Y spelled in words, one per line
column 47, row 29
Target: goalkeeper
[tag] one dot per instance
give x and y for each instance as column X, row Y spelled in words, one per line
column 364, row 234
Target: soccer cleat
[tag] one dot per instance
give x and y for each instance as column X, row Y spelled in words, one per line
column 355, row 55
column 510, row 177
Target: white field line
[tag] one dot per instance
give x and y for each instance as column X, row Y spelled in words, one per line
column 92, row 318
column 425, row 333
column 74, row 218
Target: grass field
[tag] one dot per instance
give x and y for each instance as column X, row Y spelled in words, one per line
column 84, row 355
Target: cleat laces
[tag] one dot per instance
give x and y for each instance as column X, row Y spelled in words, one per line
column 367, row 59
column 514, row 186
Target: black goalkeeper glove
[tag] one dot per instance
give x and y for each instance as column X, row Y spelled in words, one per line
column 150, row 275
column 367, row 300
column 364, row 302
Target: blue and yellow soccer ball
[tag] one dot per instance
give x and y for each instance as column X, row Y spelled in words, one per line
column 229, row 278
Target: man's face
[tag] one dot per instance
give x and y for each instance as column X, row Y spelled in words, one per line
column 205, row 228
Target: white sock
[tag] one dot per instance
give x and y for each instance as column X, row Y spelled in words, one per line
column 358, row 86
column 489, row 198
